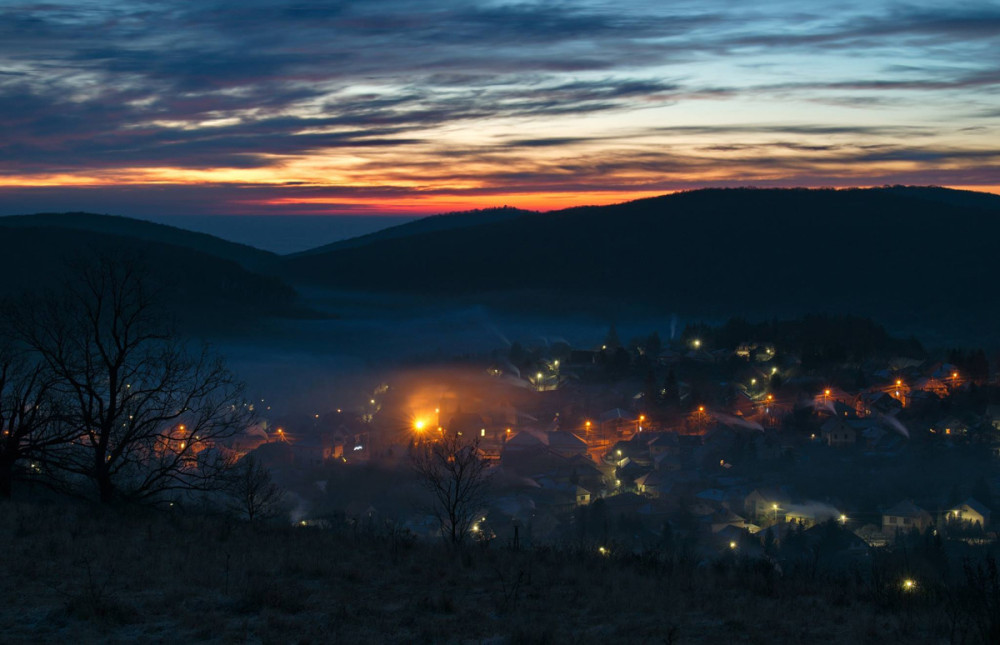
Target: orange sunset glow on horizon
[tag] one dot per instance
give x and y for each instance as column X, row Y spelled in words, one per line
column 172, row 110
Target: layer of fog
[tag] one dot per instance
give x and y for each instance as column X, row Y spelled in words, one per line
column 314, row 366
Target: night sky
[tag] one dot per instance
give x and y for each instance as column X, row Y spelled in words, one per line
column 422, row 106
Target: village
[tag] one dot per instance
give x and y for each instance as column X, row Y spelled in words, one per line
column 752, row 447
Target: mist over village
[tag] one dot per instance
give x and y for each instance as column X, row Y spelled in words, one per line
column 489, row 322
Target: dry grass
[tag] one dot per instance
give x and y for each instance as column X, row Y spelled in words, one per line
column 80, row 574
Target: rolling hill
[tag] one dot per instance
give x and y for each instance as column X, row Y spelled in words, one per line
column 919, row 250
column 201, row 291
column 434, row 223
column 246, row 256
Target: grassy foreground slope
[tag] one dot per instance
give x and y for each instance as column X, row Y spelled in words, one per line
column 80, row 574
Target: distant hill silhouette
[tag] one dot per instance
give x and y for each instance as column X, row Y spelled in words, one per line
column 202, row 292
column 247, row 256
column 445, row 222
column 897, row 249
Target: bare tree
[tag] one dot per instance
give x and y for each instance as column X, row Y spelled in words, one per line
column 253, row 493
column 29, row 419
column 146, row 414
column 455, row 473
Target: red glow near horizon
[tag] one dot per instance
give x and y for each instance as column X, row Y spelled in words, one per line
column 438, row 204
column 541, row 202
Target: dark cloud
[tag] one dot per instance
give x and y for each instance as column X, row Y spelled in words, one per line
column 117, row 85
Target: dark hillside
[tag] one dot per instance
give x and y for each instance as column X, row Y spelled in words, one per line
column 246, row 256
column 727, row 251
column 435, row 223
column 201, row 291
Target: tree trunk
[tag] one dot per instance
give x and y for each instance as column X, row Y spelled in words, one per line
column 6, row 479
column 105, row 487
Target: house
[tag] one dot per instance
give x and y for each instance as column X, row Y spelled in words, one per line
column 712, row 496
column 654, row 483
column 618, row 421
column 993, row 415
column 734, row 538
column 634, row 449
column 525, row 452
column 667, row 462
column 951, row 427
column 881, row 402
column 905, row 516
column 311, row 453
column 276, row 454
column 970, row 511
column 808, row 515
column 665, row 443
column 467, row 424
column 871, row 535
column 725, row 518
column 872, row 436
column 630, row 471
column 931, row 385
column 764, row 503
column 835, row 539
column 566, row 444
column 841, row 409
column 839, row 433
column 554, row 491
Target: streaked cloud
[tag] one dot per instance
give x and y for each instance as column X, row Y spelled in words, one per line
column 425, row 105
